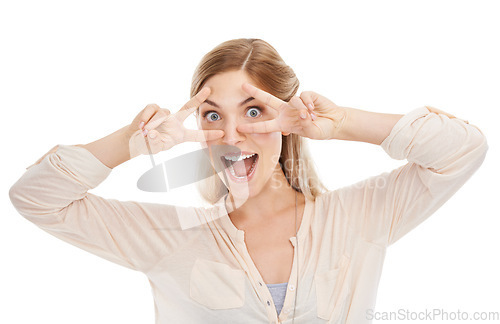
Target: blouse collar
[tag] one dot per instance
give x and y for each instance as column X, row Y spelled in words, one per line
column 239, row 235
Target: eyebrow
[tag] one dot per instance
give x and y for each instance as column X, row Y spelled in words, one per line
column 241, row 103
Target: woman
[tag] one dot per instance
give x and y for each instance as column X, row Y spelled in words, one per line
column 276, row 246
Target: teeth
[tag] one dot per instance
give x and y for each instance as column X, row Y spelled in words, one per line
column 238, row 158
column 231, row 169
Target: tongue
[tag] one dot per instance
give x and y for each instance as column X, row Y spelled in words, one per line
column 239, row 168
column 242, row 168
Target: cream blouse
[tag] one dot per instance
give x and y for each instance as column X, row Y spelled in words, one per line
column 196, row 259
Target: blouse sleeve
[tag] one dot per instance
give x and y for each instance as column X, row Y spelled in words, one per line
column 53, row 195
column 442, row 153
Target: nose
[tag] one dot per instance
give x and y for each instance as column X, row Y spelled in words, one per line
column 231, row 134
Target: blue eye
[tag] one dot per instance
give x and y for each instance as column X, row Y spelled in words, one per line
column 211, row 115
column 254, row 111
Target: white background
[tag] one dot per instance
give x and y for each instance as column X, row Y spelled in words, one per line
column 73, row 72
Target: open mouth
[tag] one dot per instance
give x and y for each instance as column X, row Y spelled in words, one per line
column 241, row 166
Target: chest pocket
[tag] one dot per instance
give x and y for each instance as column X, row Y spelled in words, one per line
column 216, row 285
column 332, row 291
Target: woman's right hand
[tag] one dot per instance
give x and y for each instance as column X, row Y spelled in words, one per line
column 163, row 130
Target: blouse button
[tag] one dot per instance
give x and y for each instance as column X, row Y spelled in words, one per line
column 260, row 283
column 268, row 303
column 291, row 287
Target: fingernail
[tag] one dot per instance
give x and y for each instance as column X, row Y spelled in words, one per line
column 313, row 116
column 152, row 135
column 145, row 132
column 141, row 124
column 302, row 115
column 311, row 106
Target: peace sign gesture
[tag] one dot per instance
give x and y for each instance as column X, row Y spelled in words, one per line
column 321, row 121
column 163, row 130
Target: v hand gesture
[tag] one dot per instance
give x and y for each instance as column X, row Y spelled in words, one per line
column 321, row 121
column 164, row 130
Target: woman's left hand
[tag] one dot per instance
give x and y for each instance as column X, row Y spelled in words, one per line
column 322, row 121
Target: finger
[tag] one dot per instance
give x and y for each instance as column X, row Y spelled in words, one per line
column 184, row 113
column 193, row 104
column 266, row 126
column 308, row 99
column 147, row 113
column 153, row 140
column 264, row 97
column 304, row 114
column 154, row 135
column 156, row 142
column 438, row 111
column 301, row 109
column 192, row 135
column 158, row 118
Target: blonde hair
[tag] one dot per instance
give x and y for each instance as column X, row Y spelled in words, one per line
column 267, row 69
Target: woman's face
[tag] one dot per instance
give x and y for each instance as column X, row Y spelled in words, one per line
column 226, row 107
